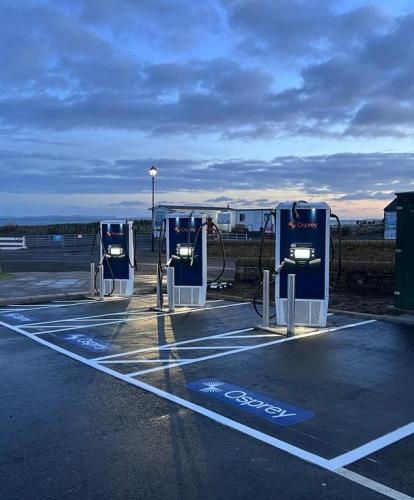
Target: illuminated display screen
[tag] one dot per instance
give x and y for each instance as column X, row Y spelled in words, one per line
column 184, row 250
column 302, row 253
column 115, row 250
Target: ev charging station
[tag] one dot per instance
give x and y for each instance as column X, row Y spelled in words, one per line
column 117, row 258
column 302, row 249
column 186, row 252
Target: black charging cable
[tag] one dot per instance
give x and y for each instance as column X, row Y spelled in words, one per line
column 339, row 268
column 160, row 268
column 104, row 257
column 271, row 282
column 223, row 251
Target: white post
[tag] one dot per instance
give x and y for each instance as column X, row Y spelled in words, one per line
column 92, row 282
column 291, row 305
column 101, row 283
column 266, row 275
column 170, row 288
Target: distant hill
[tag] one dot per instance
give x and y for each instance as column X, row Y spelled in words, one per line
column 20, row 226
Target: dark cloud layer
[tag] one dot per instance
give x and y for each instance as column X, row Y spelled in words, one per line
column 347, row 176
column 301, row 29
column 83, row 65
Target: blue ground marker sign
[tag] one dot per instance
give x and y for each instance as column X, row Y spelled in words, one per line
column 86, row 342
column 19, row 317
column 262, row 406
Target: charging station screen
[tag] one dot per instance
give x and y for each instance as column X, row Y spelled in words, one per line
column 115, row 242
column 302, row 253
column 309, row 232
column 179, row 229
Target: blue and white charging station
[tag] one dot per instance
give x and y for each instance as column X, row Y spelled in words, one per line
column 186, row 251
column 302, row 248
column 117, row 257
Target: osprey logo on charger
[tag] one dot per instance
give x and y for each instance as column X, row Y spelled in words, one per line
column 302, row 225
column 180, row 229
column 112, row 233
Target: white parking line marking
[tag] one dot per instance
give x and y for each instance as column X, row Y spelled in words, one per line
column 257, row 346
column 133, row 314
column 141, row 318
column 202, row 347
column 372, row 485
column 249, row 431
column 176, row 360
column 255, row 336
column 179, row 362
column 182, row 342
column 138, row 310
column 52, row 305
column 141, row 310
column 136, row 361
column 374, row 445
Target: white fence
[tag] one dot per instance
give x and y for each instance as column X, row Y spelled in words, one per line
column 69, row 241
column 13, row 243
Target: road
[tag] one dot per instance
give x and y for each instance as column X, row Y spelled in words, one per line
column 78, row 259
column 45, row 259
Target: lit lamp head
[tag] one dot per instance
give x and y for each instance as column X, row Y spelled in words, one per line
column 153, row 171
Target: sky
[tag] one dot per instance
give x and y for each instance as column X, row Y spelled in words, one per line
column 240, row 102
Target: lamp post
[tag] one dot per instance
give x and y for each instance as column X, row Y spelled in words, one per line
column 153, row 172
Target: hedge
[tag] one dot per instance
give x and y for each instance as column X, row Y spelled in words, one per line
column 356, row 250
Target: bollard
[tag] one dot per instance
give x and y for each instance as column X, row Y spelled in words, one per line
column 170, row 288
column 266, row 275
column 291, row 305
column 101, row 283
column 92, row 283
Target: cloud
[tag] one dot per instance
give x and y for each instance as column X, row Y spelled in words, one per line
column 101, row 65
column 299, row 29
column 128, row 204
column 220, row 199
column 366, row 196
column 324, row 175
column 81, row 65
column 242, row 202
column 165, row 24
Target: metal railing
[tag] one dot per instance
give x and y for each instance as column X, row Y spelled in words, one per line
column 59, row 240
column 230, row 236
column 74, row 240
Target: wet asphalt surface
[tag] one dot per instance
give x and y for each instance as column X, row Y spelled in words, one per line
column 78, row 258
column 46, row 259
column 69, row 431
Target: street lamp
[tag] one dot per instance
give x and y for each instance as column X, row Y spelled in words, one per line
column 153, row 172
